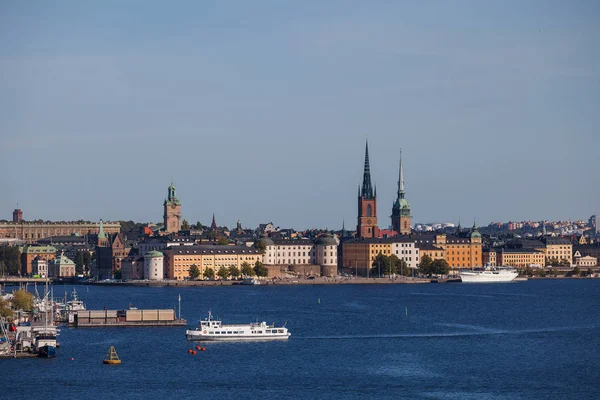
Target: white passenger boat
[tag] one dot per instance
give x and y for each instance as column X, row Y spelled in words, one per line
column 210, row 329
column 488, row 274
column 250, row 281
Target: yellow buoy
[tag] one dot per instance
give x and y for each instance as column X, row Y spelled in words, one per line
column 111, row 357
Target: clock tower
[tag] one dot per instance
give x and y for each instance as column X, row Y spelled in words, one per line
column 172, row 212
column 367, row 204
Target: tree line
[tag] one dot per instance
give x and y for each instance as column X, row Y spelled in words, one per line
column 234, row 272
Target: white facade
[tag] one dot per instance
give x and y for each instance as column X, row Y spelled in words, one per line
column 300, row 252
column 292, row 252
column 587, row 261
column 406, row 251
column 327, row 255
column 162, row 244
column 39, row 266
column 153, row 267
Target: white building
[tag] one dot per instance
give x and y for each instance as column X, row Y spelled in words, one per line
column 39, row 266
column 153, row 266
column 587, row 261
column 162, row 243
column 406, row 250
column 322, row 251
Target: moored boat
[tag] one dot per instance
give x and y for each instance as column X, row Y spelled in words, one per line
column 210, row 329
column 488, row 274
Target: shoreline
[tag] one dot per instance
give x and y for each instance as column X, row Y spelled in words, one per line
column 270, row 282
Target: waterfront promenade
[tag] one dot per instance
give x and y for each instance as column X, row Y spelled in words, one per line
column 276, row 281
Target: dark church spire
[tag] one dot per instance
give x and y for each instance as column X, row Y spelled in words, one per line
column 367, row 188
column 213, row 225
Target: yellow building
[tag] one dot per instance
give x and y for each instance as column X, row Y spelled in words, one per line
column 434, row 252
column 178, row 260
column 463, row 250
column 521, row 257
column 559, row 248
column 359, row 254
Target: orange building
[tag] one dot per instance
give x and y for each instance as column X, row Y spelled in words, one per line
column 461, row 250
column 29, row 252
column 367, row 204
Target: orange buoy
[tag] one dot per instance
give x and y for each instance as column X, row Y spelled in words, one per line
column 203, row 349
column 72, row 359
column 194, row 352
column 198, row 347
column 190, row 351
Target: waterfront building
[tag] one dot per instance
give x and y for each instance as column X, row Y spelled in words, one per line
column 401, row 219
column 489, row 256
column 178, row 260
column 39, row 266
column 31, row 231
column 521, row 257
column 461, row 250
column 132, row 267
column 153, row 265
column 559, row 248
column 367, row 204
column 109, row 257
column 432, row 251
column 586, row 261
column 30, row 252
column 61, row 267
column 358, row 254
column 301, row 252
column 172, row 211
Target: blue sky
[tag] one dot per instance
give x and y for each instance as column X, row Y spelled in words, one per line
column 260, row 110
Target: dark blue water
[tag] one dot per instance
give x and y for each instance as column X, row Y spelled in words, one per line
column 526, row 340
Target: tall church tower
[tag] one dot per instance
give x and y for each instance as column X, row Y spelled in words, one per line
column 401, row 218
column 172, row 212
column 367, row 204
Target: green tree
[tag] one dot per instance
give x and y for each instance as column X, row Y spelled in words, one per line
column 564, row 263
column 403, row 268
column 22, row 300
column 185, row 225
column 222, row 241
column 209, row 273
column 425, row 266
column 198, row 226
column 260, row 269
column 381, row 265
column 87, row 262
column 11, row 256
column 223, row 273
column 212, row 235
column 576, row 271
column 118, row 274
column 440, row 267
column 5, row 310
column 247, row 269
column 234, row 272
column 79, row 262
column 194, row 272
column 260, row 245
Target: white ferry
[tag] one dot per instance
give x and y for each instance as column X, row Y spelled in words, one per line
column 488, row 274
column 210, row 329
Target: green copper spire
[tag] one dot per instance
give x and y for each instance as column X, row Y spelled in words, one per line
column 101, row 234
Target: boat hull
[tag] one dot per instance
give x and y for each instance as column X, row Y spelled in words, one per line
column 479, row 277
column 47, row 351
column 198, row 336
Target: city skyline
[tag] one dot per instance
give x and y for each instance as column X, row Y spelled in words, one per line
column 266, row 119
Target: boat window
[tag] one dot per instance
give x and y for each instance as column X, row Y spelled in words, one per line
column 229, row 332
column 216, row 333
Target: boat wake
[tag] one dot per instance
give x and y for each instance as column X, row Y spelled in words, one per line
column 473, row 331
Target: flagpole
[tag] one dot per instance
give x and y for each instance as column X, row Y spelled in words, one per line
column 179, row 301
